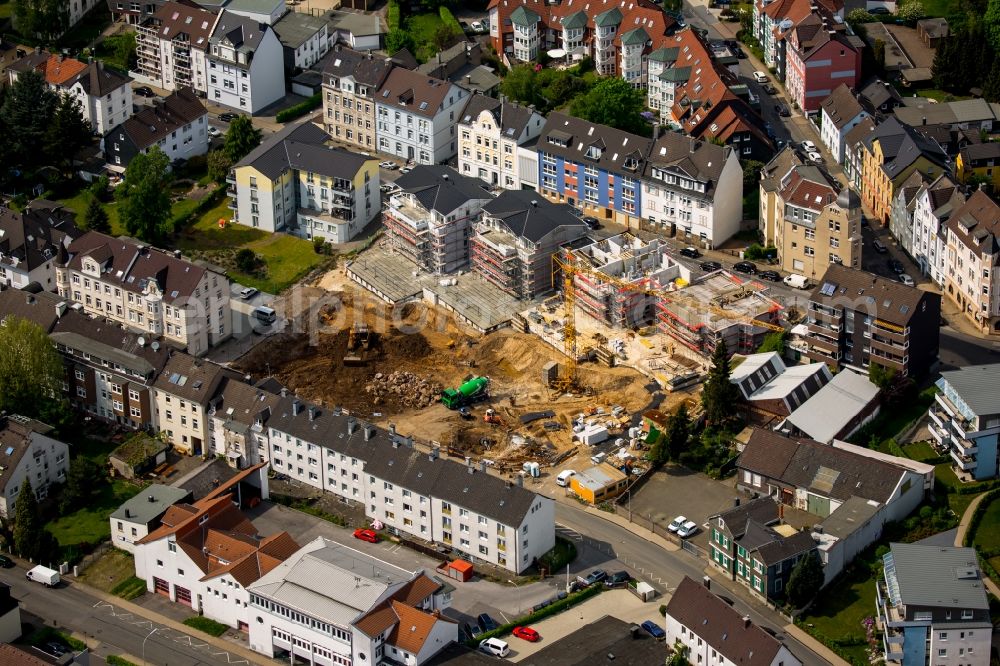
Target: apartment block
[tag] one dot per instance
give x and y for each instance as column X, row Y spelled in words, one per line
column 839, row 114
column 854, row 152
column 296, row 183
column 429, row 219
column 148, row 291
column 513, row 243
column 134, row 12
column 416, row 116
column 29, row 454
column 822, row 53
column 774, row 21
column 31, row 241
column 171, row 43
column 183, row 392
column 238, row 412
column 980, row 160
column 245, row 64
column 350, row 79
column 178, row 126
column 857, row 318
column 490, row 132
column 931, row 606
column 304, row 38
column 965, row 418
column 142, row 514
column 972, row 275
column 691, row 186
column 934, row 204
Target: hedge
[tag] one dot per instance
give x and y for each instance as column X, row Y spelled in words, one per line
column 115, row 660
column 393, row 17
column 210, row 627
column 542, row 613
column 300, row 109
column 449, row 19
column 43, row 635
column 977, row 515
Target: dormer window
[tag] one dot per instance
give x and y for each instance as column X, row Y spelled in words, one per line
column 593, row 152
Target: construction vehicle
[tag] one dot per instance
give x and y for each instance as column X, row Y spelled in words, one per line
column 491, row 417
column 470, row 391
column 359, row 338
column 465, row 413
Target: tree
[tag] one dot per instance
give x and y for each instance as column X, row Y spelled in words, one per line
column 247, row 261
column 679, row 656
column 991, row 89
column 84, row 483
column 445, row 36
column 27, row 112
column 31, row 540
column 911, row 10
column 773, row 342
column 144, row 196
column 521, row 85
column 882, row 376
column 96, row 218
column 397, row 40
column 47, row 19
column 751, row 174
column 805, row 581
column 678, row 432
column 67, row 133
column 219, row 165
column 31, row 370
column 613, row 102
column 719, row 396
column 241, row 138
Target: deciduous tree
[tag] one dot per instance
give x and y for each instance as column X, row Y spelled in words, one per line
column 521, row 85
column 45, row 19
column 613, row 102
column 805, row 581
column 144, row 196
column 218, row 165
column 84, row 483
column 31, row 371
column 241, row 138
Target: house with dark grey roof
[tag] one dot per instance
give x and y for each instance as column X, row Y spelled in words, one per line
column 773, row 390
column 713, row 632
column 238, row 412
column 28, row 452
column 429, row 219
column 350, row 79
column 852, row 492
column 304, row 38
column 879, row 98
column 141, row 514
column 31, row 240
column 932, row 605
column 514, row 242
column 965, row 419
column 183, row 393
column 839, row 114
column 972, row 259
column 491, row 132
column 178, row 126
column 245, row 64
column 416, row 116
column 295, row 182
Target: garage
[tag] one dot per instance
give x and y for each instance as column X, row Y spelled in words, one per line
column 183, row 595
column 161, row 586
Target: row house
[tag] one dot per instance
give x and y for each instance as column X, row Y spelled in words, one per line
column 965, row 420
column 854, row 151
column 857, row 318
column 822, row 54
column 516, row 238
column 296, row 183
column 934, row 204
column 147, row 290
column 105, row 96
column 304, row 38
column 183, row 391
column 839, row 114
column 972, row 263
column 980, row 161
column 30, row 454
column 31, row 241
column 171, row 44
column 490, row 133
column 429, row 219
column 593, row 167
column 694, row 187
column 416, row 116
column 178, row 126
column 245, row 64
column 350, row 79
column 904, row 203
column 774, row 21
column 237, row 414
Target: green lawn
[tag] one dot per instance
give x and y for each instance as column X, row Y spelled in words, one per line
column 890, row 422
column 90, row 524
column 987, row 536
column 841, row 608
column 939, row 95
column 78, row 204
column 945, row 477
column 920, row 451
column 943, row 8
column 422, row 27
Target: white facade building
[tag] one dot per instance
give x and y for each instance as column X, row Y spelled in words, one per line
column 28, row 453
column 171, row 45
column 840, row 113
column 304, row 38
column 137, row 517
column 416, row 116
column 245, row 64
column 934, row 205
column 490, row 133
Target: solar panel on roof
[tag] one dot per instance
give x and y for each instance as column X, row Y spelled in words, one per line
column 828, row 288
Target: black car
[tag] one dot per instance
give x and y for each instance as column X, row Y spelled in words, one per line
column 144, row 91
column 773, row 276
column 782, row 110
column 709, row 266
column 747, row 267
column 6, row 562
column 486, row 623
column 769, row 89
column 617, row 579
column 879, row 10
column 228, row 117
column 55, row 648
column 690, row 252
column 896, row 266
column 591, row 222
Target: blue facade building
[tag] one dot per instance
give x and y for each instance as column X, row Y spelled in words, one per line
column 965, row 418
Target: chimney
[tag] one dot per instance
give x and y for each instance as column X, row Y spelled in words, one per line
column 468, row 462
column 519, row 479
column 736, row 501
column 395, row 443
column 284, row 392
column 392, row 428
column 923, row 120
column 707, row 582
column 656, row 130
column 352, row 425
column 468, row 79
column 369, row 431
column 296, row 407
column 746, row 621
column 128, row 513
column 30, row 299
column 60, row 309
column 150, row 499
column 312, row 413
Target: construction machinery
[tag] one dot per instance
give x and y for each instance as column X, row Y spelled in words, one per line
column 359, row 340
column 564, row 268
column 470, row 391
column 492, row 417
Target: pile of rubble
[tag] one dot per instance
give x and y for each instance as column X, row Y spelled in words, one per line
column 404, row 388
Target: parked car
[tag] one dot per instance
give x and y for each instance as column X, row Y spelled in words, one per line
column 617, row 579
column 879, row 10
column 797, row 281
column 746, row 267
column 654, row 630
column 808, row 146
column 773, row 276
column 760, row 77
column 55, row 648
column 677, row 523
column 687, row 529
column 228, row 117
column 591, row 222
column 526, row 634
column 44, row 575
column 495, row 647
column 214, row 131
column 371, row 536
column 485, row 622
column 144, row 91
column 879, row 247
column 6, row 562
column 248, row 292
column 387, row 165
column 782, row 110
column 896, row 266
column 906, row 279
column 770, row 90
column 478, row 27
column 406, row 169
column 690, row 252
column 814, row 157
column 709, row 266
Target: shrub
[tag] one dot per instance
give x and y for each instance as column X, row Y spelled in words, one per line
column 393, row 16
column 449, row 20
column 115, row 660
column 300, row 109
column 43, row 635
column 247, row 261
column 210, row 627
column 561, row 554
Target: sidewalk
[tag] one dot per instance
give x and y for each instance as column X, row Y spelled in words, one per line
column 635, row 528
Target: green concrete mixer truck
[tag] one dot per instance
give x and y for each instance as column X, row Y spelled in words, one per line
column 472, row 390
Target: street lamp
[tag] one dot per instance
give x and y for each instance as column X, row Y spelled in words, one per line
column 518, row 595
column 155, row 629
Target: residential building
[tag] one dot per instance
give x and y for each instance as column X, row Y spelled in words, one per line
column 965, row 417
column 178, row 126
column 879, row 98
column 490, row 133
column 296, row 183
column 355, row 29
column 147, row 290
column 461, row 63
column 31, row 240
column 600, row 483
column 366, row 610
column 750, row 546
column 713, row 632
column 416, row 116
column 980, row 161
column 857, row 318
column 772, row 21
column 183, row 392
column 839, row 114
column 851, row 491
column 854, row 151
column 350, row 79
column 134, row 13
column 889, row 155
column 171, row 45
column 810, row 222
column 773, row 390
column 429, row 219
column 972, row 278
column 970, row 114
column 238, row 412
column 29, row 454
column 822, row 53
column 142, row 514
column 304, row 38
column 692, row 186
column 836, row 411
column 513, row 243
column 77, row 9
column 268, row 12
column 593, row 167
column 245, row 64
column 931, row 605
column 904, row 204
column 935, row 203
column 412, row 493
column 10, row 620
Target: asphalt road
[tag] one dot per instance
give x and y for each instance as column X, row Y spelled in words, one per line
column 117, row 630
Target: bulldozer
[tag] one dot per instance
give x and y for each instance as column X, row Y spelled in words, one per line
column 492, row 417
column 359, row 342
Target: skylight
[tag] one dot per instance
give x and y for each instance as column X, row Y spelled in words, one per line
column 828, row 289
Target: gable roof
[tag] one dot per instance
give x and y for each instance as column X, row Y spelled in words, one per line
column 977, row 224
column 364, row 68
column 763, row 510
column 179, row 20
column 699, row 160
column 877, row 92
column 192, row 378
column 528, row 215
column 902, row 146
column 886, row 298
column 303, row 147
column 841, row 106
column 156, row 122
column 17, row 434
column 858, row 134
column 831, row 409
column 35, row 235
column 610, row 149
column 441, row 189
column 98, row 81
column 243, row 33
column 512, row 119
column 414, row 92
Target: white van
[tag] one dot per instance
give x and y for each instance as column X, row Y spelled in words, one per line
column 44, row 575
column 598, row 458
column 796, row 280
column 495, row 646
column 264, row 314
column 564, row 476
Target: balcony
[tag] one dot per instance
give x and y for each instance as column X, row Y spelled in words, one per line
column 940, row 435
column 826, row 328
column 965, row 446
column 823, row 354
column 892, row 643
column 964, row 463
column 232, row 204
column 823, row 342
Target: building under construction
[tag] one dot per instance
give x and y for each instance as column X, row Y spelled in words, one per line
column 697, row 320
column 513, row 243
column 633, row 267
column 429, row 220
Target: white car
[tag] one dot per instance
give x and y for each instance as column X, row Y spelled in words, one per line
column 249, row 292
column 906, row 279
column 678, row 523
column 687, row 529
column 808, row 146
column 495, row 646
column 406, row 169
column 214, row 131
column 814, row 156
column 478, row 27
column 389, row 166
column 760, row 77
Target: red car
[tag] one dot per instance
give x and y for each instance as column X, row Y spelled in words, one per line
column 526, row 634
column 366, row 535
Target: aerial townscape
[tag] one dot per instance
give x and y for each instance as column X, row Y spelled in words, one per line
column 550, row 332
